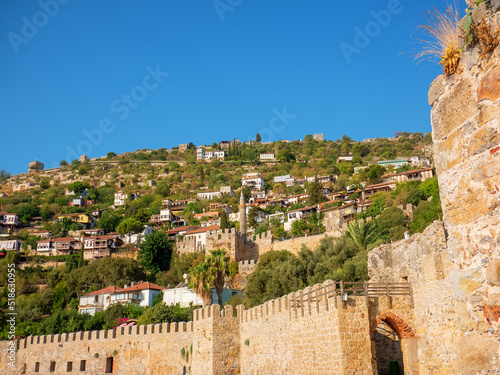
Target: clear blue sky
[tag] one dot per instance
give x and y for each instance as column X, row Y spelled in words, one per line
column 154, row 74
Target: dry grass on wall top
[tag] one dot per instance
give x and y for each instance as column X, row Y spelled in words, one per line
column 442, row 38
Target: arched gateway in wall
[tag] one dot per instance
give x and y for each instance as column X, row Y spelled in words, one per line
column 387, row 350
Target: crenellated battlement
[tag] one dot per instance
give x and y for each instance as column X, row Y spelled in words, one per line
column 110, row 334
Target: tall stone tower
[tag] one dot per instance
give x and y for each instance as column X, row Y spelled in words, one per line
column 243, row 214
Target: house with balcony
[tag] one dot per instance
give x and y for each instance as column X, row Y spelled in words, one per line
column 81, row 202
column 99, row 246
column 142, row 294
column 254, row 180
column 394, row 163
column 298, row 214
column 201, row 154
column 267, row 158
column 45, row 247
column 58, row 246
column 9, row 220
column 97, row 301
column 121, row 198
column 10, row 245
column 415, row 175
column 419, row 161
column 179, row 205
column 298, row 199
column 208, row 195
column 93, row 232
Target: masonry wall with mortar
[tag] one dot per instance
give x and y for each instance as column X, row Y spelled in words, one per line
column 152, row 349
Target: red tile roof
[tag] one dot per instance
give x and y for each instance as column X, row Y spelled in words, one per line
column 180, row 229
column 108, row 290
column 63, row 239
column 144, row 286
column 303, row 209
column 203, row 230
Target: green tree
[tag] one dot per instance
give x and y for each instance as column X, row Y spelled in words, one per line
column 247, row 193
column 109, row 221
column 155, row 252
column 218, row 268
column 110, row 155
column 63, row 163
column 200, row 281
column 362, row 234
column 163, row 189
column 223, row 220
column 316, row 194
column 258, row 138
column 78, row 187
column 129, row 226
column 299, row 227
column 45, row 184
column 161, row 313
column 252, row 217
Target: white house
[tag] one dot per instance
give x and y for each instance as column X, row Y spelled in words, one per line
column 200, row 235
column 185, row 296
column 227, row 190
column 420, row 161
column 10, row 245
column 256, row 183
column 142, row 294
column 166, row 214
column 266, row 157
column 9, row 219
column 120, row 198
column 344, row 158
column 394, row 163
column 201, row 154
column 208, row 195
column 279, row 179
column 97, row 301
column 135, row 238
column 301, row 213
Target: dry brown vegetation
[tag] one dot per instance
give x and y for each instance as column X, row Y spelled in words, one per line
column 444, row 38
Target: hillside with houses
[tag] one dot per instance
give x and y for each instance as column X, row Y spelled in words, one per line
column 251, row 200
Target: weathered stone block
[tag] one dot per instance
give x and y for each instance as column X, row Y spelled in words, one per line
column 489, row 86
column 484, row 139
column 453, row 109
column 436, row 89
column 493, row 272
column 476, row 353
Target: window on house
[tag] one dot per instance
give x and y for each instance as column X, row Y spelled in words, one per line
column 52, row 366
column 69, row 367
column 37, row 366
column 109, row 365
column 83, row 365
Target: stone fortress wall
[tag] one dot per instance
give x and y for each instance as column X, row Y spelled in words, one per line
column 311, row 331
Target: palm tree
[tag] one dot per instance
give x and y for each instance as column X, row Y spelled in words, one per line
column 218, row 264
column 362, row 234
column 200, row 281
